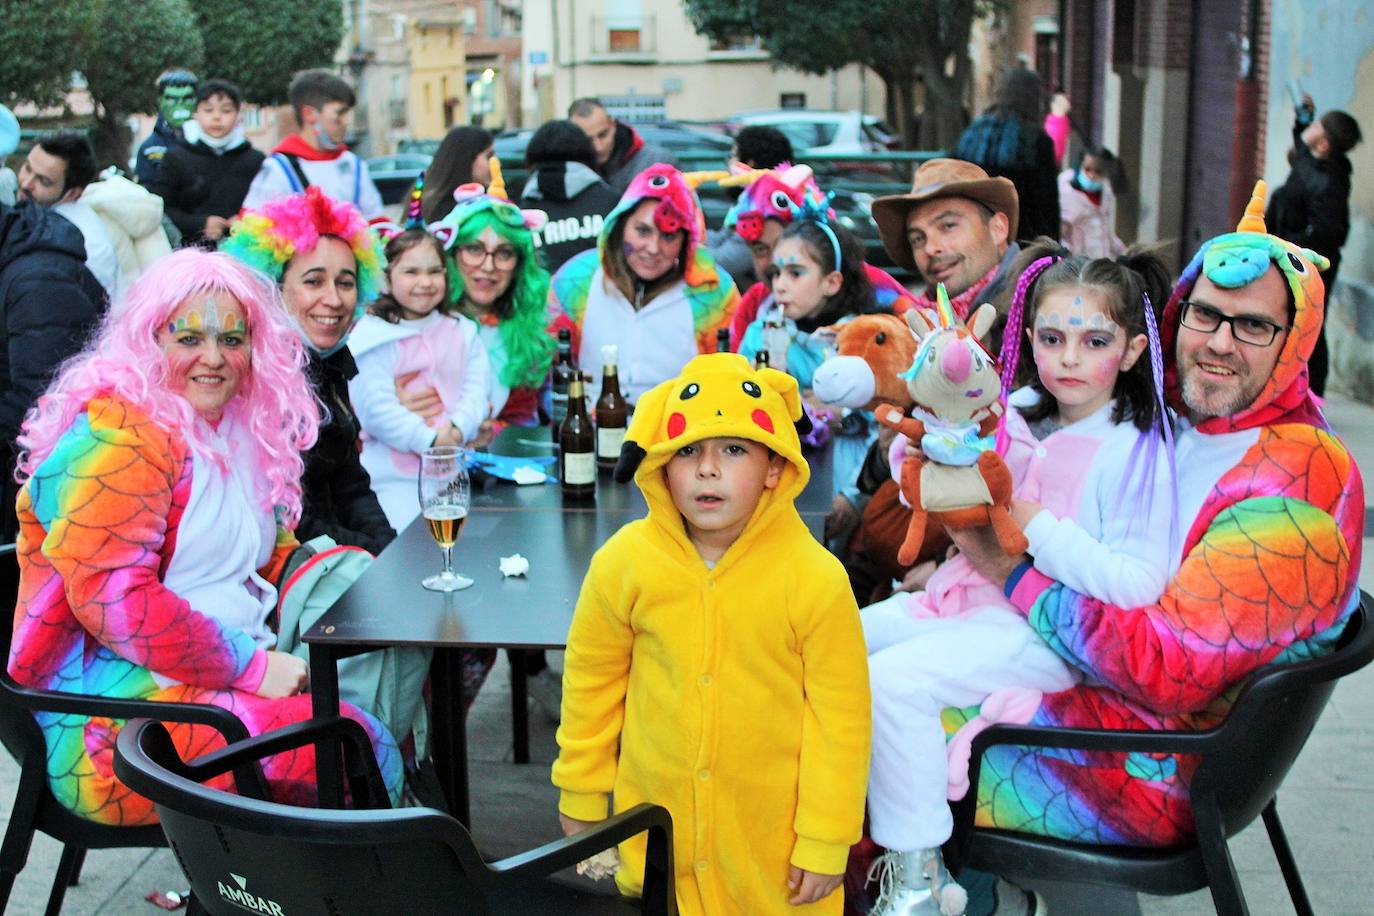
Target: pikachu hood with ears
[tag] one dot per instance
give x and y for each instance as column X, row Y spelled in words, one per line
column 716, row 395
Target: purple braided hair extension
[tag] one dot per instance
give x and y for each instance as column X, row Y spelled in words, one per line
column 1011, row 337
column 1161, row 431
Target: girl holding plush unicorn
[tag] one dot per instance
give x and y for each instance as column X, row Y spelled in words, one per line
column 1089, row 448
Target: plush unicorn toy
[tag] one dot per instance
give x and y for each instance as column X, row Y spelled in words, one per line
column 961, row 482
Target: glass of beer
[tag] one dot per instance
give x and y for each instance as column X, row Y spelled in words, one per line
column 444, row 497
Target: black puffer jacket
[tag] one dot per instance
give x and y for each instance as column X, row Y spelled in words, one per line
column 336, row 493
column 1312, row 208
column 50, row 305
column 195, row 182
column 576, row 200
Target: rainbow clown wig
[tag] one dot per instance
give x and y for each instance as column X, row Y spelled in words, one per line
column 521, row 313
column 125, row 360
column 267, row 238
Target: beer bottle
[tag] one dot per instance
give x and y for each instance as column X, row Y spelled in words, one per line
column 723, row 340
column 761, row 359
column 577, row 444
column 612, row 415
column 563, row 370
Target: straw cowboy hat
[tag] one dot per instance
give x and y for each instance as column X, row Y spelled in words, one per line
column 941, row 178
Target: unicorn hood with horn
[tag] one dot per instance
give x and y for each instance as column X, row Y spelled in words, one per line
column 1237, row 259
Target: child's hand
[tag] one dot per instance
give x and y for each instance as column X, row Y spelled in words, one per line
column 917, row 576
column 810, row 886
column 572, row 826
column 1023, row 510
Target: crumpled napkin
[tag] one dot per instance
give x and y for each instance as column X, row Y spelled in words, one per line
column 602, row 865
column 526, row 474
column 514, row 565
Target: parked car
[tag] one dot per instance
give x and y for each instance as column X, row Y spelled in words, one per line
column 395, row 175
column 813, row 131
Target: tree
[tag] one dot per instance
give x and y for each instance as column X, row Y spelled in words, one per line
column 37, row 54
column 259, row 44
column 903, row 41
column 124, row 46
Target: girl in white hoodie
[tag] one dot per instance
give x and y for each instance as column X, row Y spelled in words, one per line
column 411, row 339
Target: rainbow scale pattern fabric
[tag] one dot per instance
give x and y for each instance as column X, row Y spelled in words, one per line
column 98, row 526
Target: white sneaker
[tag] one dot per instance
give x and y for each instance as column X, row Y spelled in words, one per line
column 915, row 884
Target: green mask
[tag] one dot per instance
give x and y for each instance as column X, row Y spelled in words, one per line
column 177, row 104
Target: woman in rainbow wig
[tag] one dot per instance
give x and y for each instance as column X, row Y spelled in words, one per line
column 157, row 470
column 500, row 285
column 328, row 265
column 651, row 287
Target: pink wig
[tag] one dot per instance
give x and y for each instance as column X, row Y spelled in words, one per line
column 124, row 359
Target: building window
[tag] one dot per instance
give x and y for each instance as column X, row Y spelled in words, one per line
column 792, row 100
column 737, row 43
column 622, row 40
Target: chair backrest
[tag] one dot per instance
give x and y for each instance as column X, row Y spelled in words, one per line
column 19, row 731
column 244, row 854
column 1271, row 720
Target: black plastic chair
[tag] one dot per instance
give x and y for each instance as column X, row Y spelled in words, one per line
column 34, row 807
column 307, row 860
column 1243, row 761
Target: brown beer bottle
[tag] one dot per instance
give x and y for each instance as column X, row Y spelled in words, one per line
column 563, row 369
column 612, row 414
column 577, row 444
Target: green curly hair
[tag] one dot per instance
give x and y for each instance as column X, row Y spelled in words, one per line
column 522, row 311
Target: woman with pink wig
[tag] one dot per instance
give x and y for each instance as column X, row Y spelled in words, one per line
column 161, row 472
column 328, row 265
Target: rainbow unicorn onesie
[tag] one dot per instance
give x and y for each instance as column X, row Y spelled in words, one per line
column 657, row 339
column 1271, row 508
column 124, row 592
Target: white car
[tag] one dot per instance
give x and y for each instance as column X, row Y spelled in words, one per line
column 813, row 131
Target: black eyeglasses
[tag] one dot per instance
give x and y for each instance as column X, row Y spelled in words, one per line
column 1257, row 332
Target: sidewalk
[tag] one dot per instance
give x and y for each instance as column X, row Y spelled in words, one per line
column 1327, row 802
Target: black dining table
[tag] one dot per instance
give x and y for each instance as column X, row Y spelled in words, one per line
column 387, row 606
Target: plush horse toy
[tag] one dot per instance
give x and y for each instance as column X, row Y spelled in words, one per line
column 955, row 385
column 872, row 352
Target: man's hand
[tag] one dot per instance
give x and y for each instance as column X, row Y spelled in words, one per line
column 286, row 676
column 572, row 826
column 808, row 886
column 841, row 521
column 215, row 227
column 423, row 401
column 917, row 576
column 981, row 547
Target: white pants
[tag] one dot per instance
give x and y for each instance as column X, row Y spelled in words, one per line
column 918, row 667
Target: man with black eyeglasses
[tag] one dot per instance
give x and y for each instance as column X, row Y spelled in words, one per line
column 1270, row 518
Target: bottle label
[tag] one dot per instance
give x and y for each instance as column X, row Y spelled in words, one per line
column 560, row 408
column 579, row 467
column 608, row 441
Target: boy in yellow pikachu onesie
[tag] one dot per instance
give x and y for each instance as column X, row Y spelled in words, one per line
column 716, row 664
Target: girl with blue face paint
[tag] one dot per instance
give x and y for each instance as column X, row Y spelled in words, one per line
column 1087, row 206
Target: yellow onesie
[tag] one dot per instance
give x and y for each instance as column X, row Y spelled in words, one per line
column 737, row 696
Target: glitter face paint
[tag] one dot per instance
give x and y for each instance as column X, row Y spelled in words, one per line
column 1079, row 351
column 209, row 352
